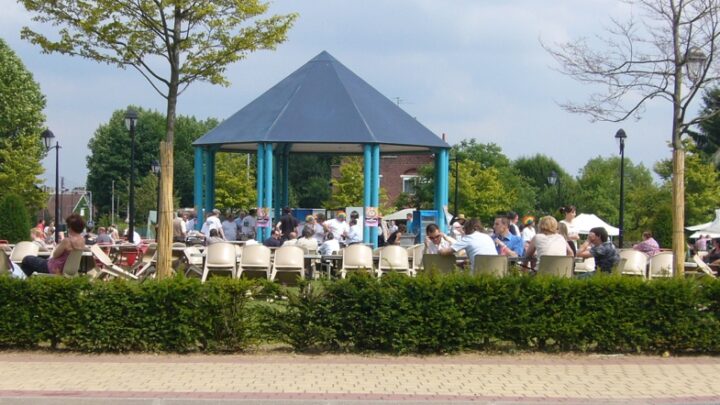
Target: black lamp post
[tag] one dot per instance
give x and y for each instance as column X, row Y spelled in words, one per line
column 620, row 136
column 48, row 136
column 457, row 178
column 552, row 180
column 155, row 166
column 130, row 120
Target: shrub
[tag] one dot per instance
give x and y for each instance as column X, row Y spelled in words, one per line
column 15, row 221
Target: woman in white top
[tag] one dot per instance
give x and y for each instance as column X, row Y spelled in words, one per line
column 547, row 242
column 573, row 235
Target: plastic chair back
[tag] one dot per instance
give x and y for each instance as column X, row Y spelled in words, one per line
column 255, row 258
column 72, row 264
column 416, row 253
column 289, row 260
column 558, row 266
column 356, row 257
column 636, row 264
column 393, row 258
column 439, row 263
column 219, row 256
column 661, row 265
column 493, row 265
column 4, row 263
column 23, row 249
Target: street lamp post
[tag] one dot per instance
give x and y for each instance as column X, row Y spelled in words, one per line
column 130, row 121
column 457, row 178
column 620, row 136
column 155, row 166
column 48, row 136
column 553, row 179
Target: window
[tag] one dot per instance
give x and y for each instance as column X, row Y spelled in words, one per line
column 409, row 181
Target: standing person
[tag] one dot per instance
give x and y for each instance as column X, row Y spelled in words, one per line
column 548, row 242
column 409, row 226
column 701, row 243
column 40, row 226
column 287, row 223
column 50, row 231
column 229, row 227
column 436, row 240
column 212, row 222
column 338, row 226
column 355, row 232
column 513, row 218
column 318, row 232
column 572, row 233
column 475, row 242
column 456, row 227
column 191, row 222
column 599, row 247
column 74, row 241
column 179, row 229
column 528, row 231
column 249, row 223
column 394, row 238
column 649, row 245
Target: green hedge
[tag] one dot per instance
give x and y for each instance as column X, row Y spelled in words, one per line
column 427, row 314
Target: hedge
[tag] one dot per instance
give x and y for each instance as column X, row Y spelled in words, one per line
column 397, row 314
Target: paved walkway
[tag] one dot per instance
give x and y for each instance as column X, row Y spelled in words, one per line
column 278, row 378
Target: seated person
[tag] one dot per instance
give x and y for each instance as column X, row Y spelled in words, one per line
column 599, row 247
column 54, row 265
column 436, row 240
column 507, row 243
column 329, row 246
column 474, row 242
column 275, row 239
column 308, row 241
column 103, row 238
column 713, row 256
column 214, row 237
column 355, row 232
column 38, row 237
column 291, row 240
column 649, row 246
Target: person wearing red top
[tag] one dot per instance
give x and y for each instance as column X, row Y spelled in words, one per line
column 74, row 241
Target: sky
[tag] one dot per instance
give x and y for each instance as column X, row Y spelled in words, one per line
column 465, row 68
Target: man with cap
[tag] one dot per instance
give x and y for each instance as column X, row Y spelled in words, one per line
column 338, row 226
column 212, row 222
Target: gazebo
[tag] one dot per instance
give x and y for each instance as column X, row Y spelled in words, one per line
column 321, row 108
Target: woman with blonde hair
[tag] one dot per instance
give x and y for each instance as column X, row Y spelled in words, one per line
column 547, row 241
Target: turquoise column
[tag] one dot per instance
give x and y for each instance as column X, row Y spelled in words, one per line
column 375, row 188
column 211, row 178
column 278, row 184
column 259, row 183
column 269, row 182
column 286, row 176
column 444, row 188
column 207, row 203
column 436, row 196
column 198, row 183
column 367, row 182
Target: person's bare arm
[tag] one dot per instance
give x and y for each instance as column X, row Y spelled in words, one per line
column 584, row 250
column 530, row 251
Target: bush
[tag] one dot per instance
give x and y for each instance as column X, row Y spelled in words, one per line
column 396, row 314
column 15, row 221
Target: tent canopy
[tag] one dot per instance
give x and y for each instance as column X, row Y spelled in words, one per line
column 399, row 215
column 584, row 222
column 707, row 228
column 323, row 107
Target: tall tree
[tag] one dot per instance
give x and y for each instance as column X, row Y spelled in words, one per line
column 21, row 120
column 537, row 170
column 109, row 158
column 193, row 41
column 235, row 182
column 640, row 61
column 309, row 178
column 708, row 137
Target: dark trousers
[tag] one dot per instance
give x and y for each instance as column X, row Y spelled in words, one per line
column 33, row 264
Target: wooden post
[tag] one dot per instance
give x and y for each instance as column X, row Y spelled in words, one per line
column 165, row 214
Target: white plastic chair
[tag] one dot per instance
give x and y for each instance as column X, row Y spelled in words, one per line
column 636, row 264
column 393, row 258
column 357, row 257
column 661, row 265
column 108, row 267
column 558, row 266
column 255, row 259
column 194, row 261
column 23, row 249
column 703, row 266
column 585, row 266
column 289, row 260
column 416, row 253
column 493, row 265
column 4, row 262
column 219, row 257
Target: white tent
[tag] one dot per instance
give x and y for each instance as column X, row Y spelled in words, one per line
column 584, row 222
column 399, row 215
column 712, row 228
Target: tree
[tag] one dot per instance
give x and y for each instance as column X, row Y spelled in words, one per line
column 15, row 222
column 109, row 158
column 235, row 186
column 348, row 189
column 481, row 192
column 21, row 121
column 309, row 177
column 642, row 61
column 193, row 41
column 537, row 170
column 707, row 139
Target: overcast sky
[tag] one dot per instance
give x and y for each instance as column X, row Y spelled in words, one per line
column 467, row 68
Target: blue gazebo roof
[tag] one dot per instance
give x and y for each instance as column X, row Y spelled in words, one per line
column 323, row 107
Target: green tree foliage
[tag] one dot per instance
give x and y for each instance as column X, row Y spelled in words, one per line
column 15, row 221
column 235, row 187
column 309, row 177
column 109, row 158
column 21, row 121
column 702, row 185
column 537, row 169
column 708, row 138
column 599, row 192
column 348, row 188
column 481, row 191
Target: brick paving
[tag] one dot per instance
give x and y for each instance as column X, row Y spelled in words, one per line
column 282, row 377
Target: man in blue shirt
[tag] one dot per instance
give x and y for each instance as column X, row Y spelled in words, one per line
column 506, row 243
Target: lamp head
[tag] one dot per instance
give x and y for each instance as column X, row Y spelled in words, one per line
column 552, row 178
column 48, row 137
column 130, row 118
column 155, row 166
column 695, row 63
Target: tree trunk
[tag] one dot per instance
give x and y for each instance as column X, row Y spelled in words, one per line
column 164, row 237
column 678, row 216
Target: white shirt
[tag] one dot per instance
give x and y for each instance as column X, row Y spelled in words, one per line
column 137, row 240
column 550, row 245
column 229, row 229
column 329, row 246
column 212, row 222
column 308, row 243
column 477, row 243
column 572, row 231
column 528, row 233
column 433, row 249
column 319, row 234
column 337, row 228
column 355, row 234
